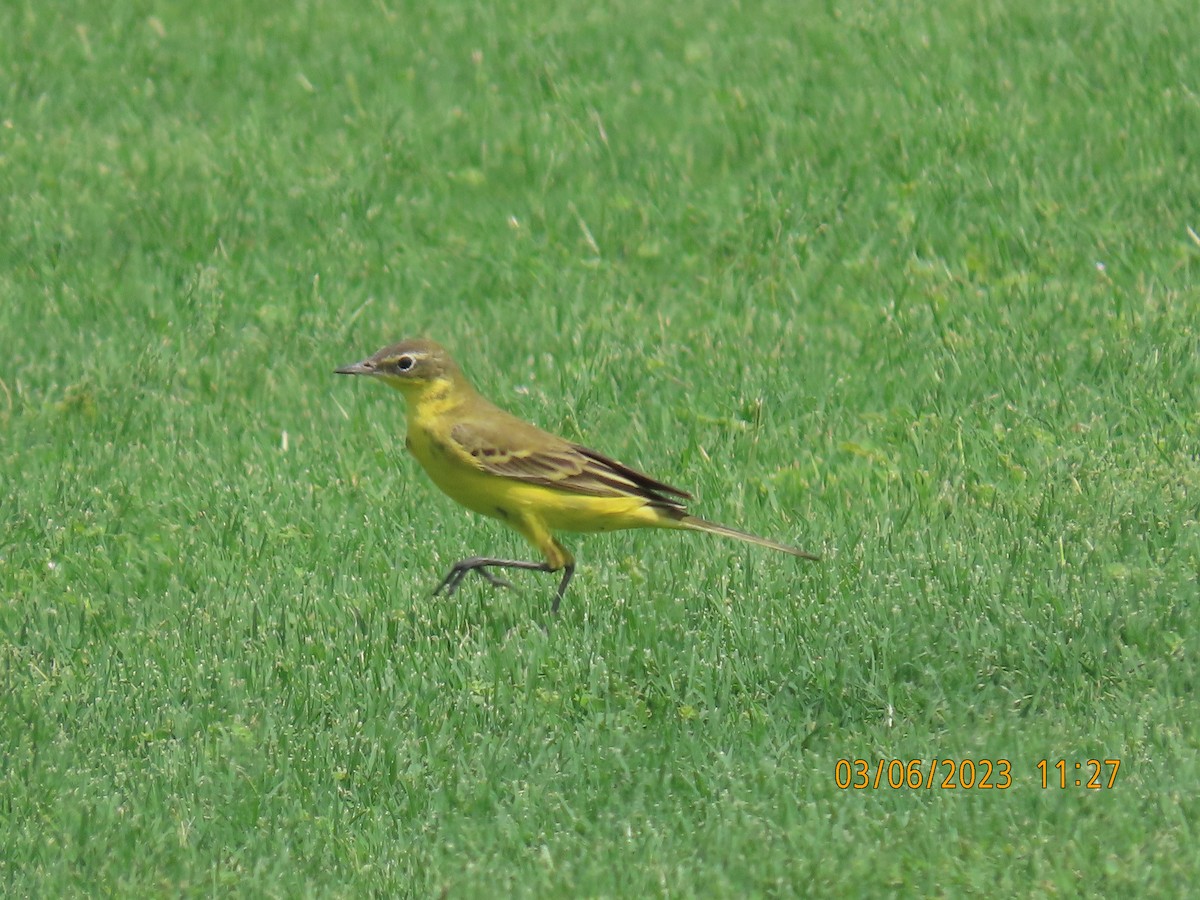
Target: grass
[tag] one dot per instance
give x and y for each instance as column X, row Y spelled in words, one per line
column 915, row 286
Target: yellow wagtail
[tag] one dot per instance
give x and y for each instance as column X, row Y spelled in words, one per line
column 532, row 481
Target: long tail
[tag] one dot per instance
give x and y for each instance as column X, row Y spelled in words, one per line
column 697, row 524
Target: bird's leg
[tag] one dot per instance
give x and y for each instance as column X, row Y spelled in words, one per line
column 480, row 563
column 558, row 559
column 568, row 571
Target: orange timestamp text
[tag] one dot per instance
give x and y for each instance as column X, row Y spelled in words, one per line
column 921, row 774
column 1092, row 774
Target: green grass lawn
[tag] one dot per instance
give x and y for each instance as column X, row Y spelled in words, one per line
column 911, row 285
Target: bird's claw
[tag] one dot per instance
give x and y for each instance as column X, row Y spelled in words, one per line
column 456, row 575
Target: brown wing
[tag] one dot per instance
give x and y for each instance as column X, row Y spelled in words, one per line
column 514, row 449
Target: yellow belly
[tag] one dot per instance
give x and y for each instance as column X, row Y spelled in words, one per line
column 563, row 511
column 517, row 501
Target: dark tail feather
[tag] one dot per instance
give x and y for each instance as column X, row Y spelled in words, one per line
column 697, row 524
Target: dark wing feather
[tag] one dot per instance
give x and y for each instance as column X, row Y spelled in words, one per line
column 601, row 463
column 514, row 449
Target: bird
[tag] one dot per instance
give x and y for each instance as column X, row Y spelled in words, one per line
column 535, row 482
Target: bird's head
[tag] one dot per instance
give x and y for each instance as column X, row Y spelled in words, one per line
column 412, row 366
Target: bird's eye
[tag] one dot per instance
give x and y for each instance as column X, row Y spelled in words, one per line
column 405, row 363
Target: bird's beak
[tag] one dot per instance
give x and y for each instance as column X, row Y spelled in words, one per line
column 366, row 367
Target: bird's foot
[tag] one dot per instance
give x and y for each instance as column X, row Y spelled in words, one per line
column 476, row 564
